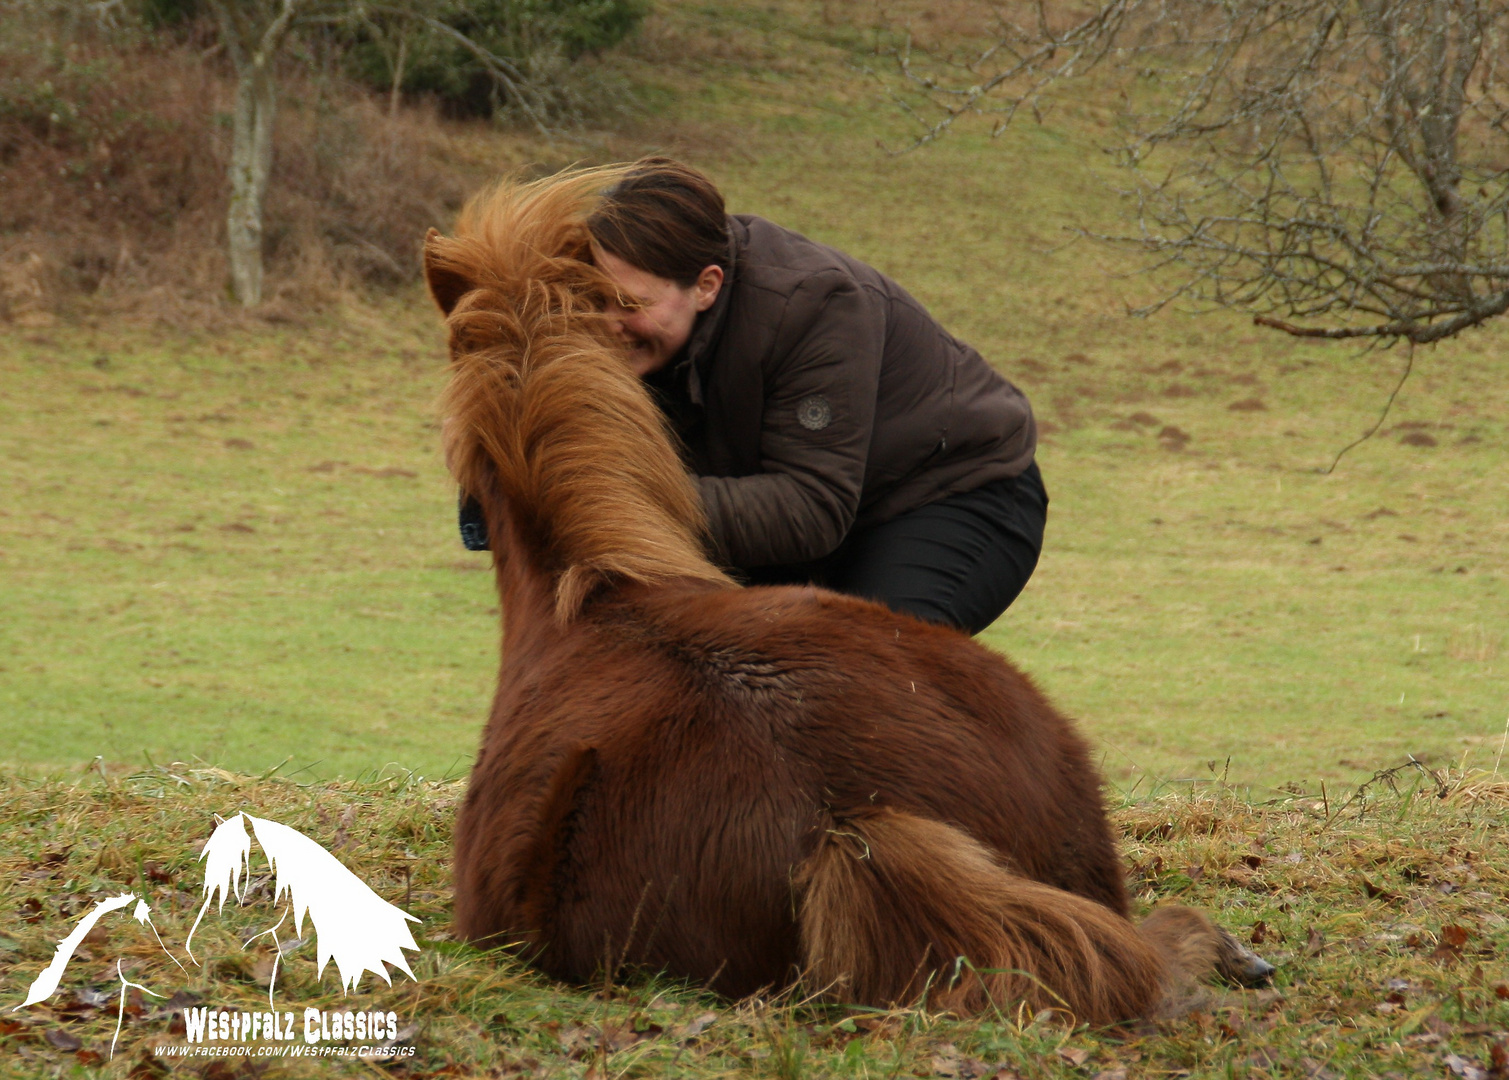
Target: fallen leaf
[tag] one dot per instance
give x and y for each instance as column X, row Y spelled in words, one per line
column 884, row 1027
column 262, row 970
column 696, row 1026
column 946, row 1061
column 1314, row 1070
column 1454, row 935
column 1460, row 1066
column 577, row 1040
column 1073, row 1055
column 1377, row 892
column 174, row 1005
column 1259, row 932
column 617, row 1037
column 1436, row 1025
column 63, row 1040
column 1315, row 941
column 342, row 836
column 1449, row 948
column 93, row 998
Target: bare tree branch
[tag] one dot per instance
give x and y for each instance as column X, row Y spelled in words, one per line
column 1343, row 162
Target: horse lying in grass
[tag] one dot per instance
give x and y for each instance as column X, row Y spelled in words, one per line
column 742, row 787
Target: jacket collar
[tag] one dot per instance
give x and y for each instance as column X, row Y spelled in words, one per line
column 708, row 329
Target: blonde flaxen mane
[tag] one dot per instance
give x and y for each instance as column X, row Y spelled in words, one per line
column 546, row 425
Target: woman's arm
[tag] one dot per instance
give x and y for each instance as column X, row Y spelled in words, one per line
column 818, row 416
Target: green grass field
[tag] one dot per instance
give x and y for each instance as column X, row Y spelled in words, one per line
column 237, row 545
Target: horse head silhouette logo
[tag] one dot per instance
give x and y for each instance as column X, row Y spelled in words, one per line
column 354, row 926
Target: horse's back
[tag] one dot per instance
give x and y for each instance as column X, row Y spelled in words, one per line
column 730, row 729
column 892, row 710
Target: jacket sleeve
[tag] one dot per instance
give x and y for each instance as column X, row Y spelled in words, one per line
column 820, row 386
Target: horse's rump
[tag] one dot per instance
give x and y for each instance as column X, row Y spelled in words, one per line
column 728, row 729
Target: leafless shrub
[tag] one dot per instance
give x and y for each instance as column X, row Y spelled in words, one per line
column 1341, row 162
column 113, row 157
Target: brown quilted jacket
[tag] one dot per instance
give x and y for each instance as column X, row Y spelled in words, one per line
column 817, row 394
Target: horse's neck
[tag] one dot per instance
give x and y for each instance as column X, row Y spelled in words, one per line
column 526, row 595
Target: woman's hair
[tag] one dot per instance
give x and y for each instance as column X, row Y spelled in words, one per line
column 665, row 218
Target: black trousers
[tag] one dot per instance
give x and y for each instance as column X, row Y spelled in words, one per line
column 960, row 561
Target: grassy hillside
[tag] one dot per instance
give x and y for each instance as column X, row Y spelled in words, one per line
column 237, row 544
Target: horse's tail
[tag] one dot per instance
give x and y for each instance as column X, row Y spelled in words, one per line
column 896, row 908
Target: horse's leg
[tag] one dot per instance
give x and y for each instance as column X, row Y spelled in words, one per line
column 507, row 854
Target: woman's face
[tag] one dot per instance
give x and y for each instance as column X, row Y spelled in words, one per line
column 659, row 324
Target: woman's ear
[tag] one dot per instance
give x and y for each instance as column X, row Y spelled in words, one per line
column 444, row 272
column 709, row 283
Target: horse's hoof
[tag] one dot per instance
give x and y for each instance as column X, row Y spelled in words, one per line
column 1238, row 964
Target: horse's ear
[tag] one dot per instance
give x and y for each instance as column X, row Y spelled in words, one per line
column 443, row 272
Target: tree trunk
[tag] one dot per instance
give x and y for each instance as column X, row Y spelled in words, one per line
column 253, row 31
column 251, row 162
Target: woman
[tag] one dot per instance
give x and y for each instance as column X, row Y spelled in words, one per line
column 839, row 434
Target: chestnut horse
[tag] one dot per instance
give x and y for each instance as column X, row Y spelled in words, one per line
column 742, row 787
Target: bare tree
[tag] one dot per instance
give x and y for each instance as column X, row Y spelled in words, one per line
column 1338, row 167
column 254, row 32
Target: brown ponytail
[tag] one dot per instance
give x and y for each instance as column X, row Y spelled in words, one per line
column 665, row 218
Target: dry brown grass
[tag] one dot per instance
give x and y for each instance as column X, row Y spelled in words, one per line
column 1381, row 907
column 113, row 191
